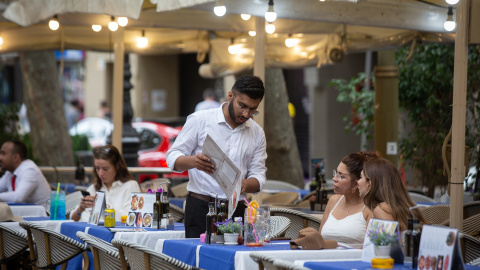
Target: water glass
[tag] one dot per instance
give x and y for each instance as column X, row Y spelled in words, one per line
column 266, row 221
column 253, row 232
column 57, row 205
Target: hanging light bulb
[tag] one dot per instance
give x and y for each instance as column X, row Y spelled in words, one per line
column 270, row 28
column 452, row 2
column 270, row 15
column 245, row 17
column 113, row 25
column 449, row 24
column 122, row 21
column 290, row 42
column 232, row 49
column 142, row 41
column 252, row 33
column 53, row 23
column 219, row 8
column 1, row 40
column 96, row 27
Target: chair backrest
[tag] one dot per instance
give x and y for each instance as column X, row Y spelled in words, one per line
column 276, row 184
column 52, row 248
column 177, row 213
column 142, row 257
column 180, row 190
column 12, row 243
column 471, row 209
column 298, row 221
column 471, row 226
column 264, row 261
column 287, row 197
column 284, row 265
column 436, row 214
column 418, row 198
column 71, row 201
column 278, row 226
column 105, row 255
column 470, row 247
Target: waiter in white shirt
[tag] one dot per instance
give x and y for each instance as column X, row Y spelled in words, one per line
column 23, row 182
column 242, row 140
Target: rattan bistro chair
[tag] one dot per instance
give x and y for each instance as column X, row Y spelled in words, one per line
column 12, row 244
column 284, row 265
column 71, row 201
column 52, row 248
column 471, row 209
column 177, row 213
column 143, row 258
column 270, row 263
column 436, row 214
column 287, row 197
column 419, row 198
column 278, row 226
column 470, row 247
column 298, row 221
column 105, row 255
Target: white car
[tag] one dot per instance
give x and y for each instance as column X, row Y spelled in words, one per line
column 96, row 129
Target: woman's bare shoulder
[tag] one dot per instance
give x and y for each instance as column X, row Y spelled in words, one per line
column 382, row 211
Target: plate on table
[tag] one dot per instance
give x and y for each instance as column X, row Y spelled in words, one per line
column 231, row 244
column 131, row 218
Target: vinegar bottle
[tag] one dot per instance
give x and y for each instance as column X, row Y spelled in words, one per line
column 211, row 219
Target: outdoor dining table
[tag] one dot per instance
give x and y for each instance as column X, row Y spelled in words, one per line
column 353, row 264
column 147, row 238
column 53, row 225
column 196, row 253
column 28, row 210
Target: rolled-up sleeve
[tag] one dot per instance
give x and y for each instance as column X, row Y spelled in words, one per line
column 256, row 168
column 185, row 143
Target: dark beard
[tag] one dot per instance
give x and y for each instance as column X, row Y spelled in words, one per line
column 231, row 113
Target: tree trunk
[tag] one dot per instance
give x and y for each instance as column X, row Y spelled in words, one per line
column 51, row 142
column 283, row 160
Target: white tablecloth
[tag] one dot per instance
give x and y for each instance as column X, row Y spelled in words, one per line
column 150, row 238
column 28, row 210
column 53, row 225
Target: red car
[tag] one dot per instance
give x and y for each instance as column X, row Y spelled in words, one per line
column 155, row 140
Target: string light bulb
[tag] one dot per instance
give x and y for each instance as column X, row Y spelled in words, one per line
column 452, row 2
column 96, row 27
column 122, row 21
column 113, row 25
column 232, row 49
column 219, row 8
column 449, row 24
column 1, row 40
column 245, row 17
column 290, row 42
column 252, row 33
column 270, row 28
column 53, row 23
column 270, row 15
column 142, row 41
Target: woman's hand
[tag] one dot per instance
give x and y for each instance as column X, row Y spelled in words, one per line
column 87, row 202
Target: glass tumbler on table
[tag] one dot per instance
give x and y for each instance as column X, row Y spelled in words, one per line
column 266, row 223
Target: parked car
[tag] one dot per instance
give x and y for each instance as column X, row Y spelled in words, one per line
column 155, row 140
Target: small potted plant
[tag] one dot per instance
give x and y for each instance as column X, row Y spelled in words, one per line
column 230, row 230
column 382, row 239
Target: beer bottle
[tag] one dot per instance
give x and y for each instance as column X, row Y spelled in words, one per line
column 222, row 215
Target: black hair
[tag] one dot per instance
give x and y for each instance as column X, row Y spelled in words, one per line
column 19, row 148
column 250, row 85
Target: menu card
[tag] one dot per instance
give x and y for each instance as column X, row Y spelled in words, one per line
column 98, row 208
column 439, row 249
column 141, row 210
column 375, row 226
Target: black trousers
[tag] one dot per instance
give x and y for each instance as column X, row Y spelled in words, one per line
column 195, row 219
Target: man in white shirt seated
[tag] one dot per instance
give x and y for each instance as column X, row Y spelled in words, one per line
column 23, row 182
column 232, row 128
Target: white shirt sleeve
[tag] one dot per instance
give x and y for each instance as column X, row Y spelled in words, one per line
column 185, row 143
column 24, row 189
column 256, row 168
column 4, row 181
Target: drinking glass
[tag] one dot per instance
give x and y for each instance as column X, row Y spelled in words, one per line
column 266, row 223
column 57, row 205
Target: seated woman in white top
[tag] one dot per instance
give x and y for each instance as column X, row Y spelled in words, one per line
column 110, row 175
column 345, row 218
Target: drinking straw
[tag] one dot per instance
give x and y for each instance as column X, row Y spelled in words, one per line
column 56, row 202
column 251, row 220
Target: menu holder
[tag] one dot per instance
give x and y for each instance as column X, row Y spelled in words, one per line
column 376, row 225
column 141, row 210
column 439, row 249
column 98, row 208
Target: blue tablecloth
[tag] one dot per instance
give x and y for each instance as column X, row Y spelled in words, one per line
column 210, row 256
column 177, row 201
column 359, row 265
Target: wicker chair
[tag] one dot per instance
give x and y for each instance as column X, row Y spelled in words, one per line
column 419, row 198
column 436, row 214
column 142, row 257
column 12, row 244
column 298, row 221
column 471, row 209
column 471, row 226
column 271, row 263
column 475, row 262
column 278, row 226
column 71, row 201
column 177, row 213
column 105, row 256
column 287, row 197
column 470, row 248
column 276, row 184
column 52, row 248
column 180, row 191
column 284, row 265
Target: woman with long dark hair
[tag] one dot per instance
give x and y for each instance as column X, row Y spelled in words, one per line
column 110, row 175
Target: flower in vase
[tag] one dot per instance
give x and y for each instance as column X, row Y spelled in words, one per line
column 229, row 226
column 381, row 237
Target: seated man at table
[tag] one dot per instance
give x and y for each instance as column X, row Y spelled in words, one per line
column 231, row 126
column 23, row 182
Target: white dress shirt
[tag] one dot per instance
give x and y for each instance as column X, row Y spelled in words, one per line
column 245, row 146
column 30, row 185
column 118, row 198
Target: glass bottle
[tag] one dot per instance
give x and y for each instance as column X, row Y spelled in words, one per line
column 211, row 219
column 222, row 215
column 412, row 241
column 157, row 211
column 165, row 205
column 321, row 196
